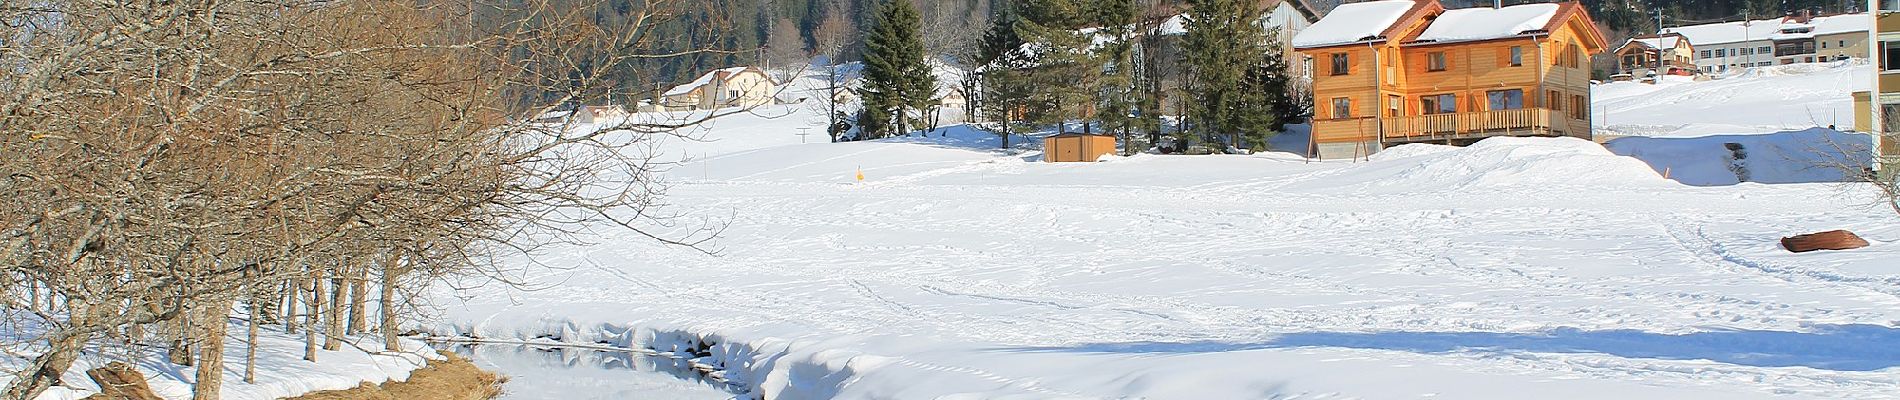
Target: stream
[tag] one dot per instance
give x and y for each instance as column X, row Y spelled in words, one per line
column 538, row 372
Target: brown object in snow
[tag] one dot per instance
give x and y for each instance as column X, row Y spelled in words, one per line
column 118, row 381
column 1830, row 240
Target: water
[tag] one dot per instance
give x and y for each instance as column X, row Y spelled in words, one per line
column 537, row 372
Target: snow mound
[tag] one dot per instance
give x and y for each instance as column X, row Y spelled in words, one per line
column 1500, row 162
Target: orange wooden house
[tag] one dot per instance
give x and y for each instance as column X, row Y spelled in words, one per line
column 1392, row 72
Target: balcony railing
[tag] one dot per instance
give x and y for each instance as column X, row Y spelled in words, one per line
column 1465, row 125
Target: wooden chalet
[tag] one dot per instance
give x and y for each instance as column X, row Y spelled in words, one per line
column 1391, row 72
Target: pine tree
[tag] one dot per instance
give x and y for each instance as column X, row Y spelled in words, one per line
column 1005, row 91
column 1222, row 43
column 1116, row 53
column 897, row 81
column 1061, row 67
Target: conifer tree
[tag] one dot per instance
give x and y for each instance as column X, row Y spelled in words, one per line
column 1005, row 89
column 1115, row 36
column 1062, row 70
column 897, row 81
column 1222, row 43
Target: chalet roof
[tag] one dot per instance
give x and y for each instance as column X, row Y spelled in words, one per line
column 704, row 80
column 1351, row 23
column 1484, row 23
column 1668, row 41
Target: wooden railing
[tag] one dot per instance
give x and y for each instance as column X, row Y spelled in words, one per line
column 1466, row 125
column 1526, row 121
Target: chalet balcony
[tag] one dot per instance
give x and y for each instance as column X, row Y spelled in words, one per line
column 1452, row 128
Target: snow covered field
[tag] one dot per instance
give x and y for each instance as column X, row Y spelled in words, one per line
column 1757, row 100
column 1515, row 268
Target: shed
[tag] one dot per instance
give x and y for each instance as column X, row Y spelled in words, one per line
column 1077, row 147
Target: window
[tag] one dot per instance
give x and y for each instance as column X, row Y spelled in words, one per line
column 732, row 94
column 1517, row 56
column 1341, row 65
column 1438, row 104
column 1705, row 54
column 1823, row 45
column 1841, row 43
column 1764, row 50
column 1578, row 108
column 1392, row 105
column 1435, row 61
column 1748, row 51
column 1891, row 55
column 1554, row 100
column 1505, row 99
column 1342, row 107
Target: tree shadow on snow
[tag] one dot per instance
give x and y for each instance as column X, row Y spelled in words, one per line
column 1828, row 347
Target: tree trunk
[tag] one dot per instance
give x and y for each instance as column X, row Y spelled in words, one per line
column 250, row 341
column 359, row 297
column 291, row 288
column 333, row 329
column 45, row 370
column 310, row 318
column 387, row 304
column 211, row 352
column 180, row 331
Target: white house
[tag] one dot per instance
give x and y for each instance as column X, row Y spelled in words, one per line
column 1731, row 45
column 722, row 88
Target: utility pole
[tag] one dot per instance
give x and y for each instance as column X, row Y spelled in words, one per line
column 1659, row 62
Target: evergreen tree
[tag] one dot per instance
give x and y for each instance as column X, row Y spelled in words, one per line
column 1116, row 98
column 1059, row 62
column 897, row 81
column 1004, row 90
column 1222, row 43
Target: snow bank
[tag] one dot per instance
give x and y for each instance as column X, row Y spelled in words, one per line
column 1500, row 162
column 1482, row 23
column 1353, row 22
column 1805, row 156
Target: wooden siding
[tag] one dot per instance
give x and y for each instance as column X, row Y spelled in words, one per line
column 1554, row 78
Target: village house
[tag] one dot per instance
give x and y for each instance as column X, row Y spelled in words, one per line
column 1639, row 56
column 1841, row 37
column 1731, row 45
column 1401, row 71
column 1878, row 111
column 723, row 88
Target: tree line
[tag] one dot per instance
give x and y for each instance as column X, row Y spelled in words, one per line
column 175, row 169
column 1098, row 67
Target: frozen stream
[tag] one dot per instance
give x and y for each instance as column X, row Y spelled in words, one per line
column 541, row 372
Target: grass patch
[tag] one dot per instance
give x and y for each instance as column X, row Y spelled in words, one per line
column 454, row 378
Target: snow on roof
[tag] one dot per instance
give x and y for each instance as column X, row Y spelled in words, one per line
column 702, row 81
column 1728, row 32
column 1484, row 23
column 1665, row 42
column 1354, row 22
column 1845, row 23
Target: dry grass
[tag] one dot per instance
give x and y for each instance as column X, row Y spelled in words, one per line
column 454, row 378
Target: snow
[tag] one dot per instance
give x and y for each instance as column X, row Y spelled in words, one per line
column 281, row 370
column 1665, row 42
column 1351, row 23
column 1758, row 100
column 960, row 270
column 702, row 81
column 1727, row 32
column 1804, row 156
column 1483, row 23
column 1845, row 23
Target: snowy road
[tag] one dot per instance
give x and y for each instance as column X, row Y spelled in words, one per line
column 1526, row 268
